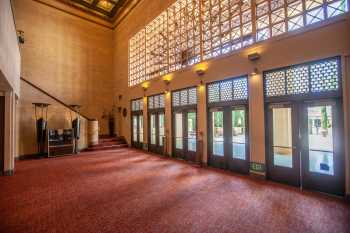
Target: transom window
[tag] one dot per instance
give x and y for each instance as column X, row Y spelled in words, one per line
column 137, row 105
column 184, row 97
column 156, row 101
column 191, row 31
column 228, row 90
column 310, row 78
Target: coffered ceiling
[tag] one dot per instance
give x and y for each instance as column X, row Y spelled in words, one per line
column 106, row 9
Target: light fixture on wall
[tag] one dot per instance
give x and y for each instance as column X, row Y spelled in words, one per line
column 20, row 36
column 254, row 57
column 200, row 70
column 255, row 71
column 145, row 86
column 167, row 79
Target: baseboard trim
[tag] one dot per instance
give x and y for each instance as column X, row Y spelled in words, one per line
column 8, row 173
column 31, row 157
column 257, row 175
column 347, row 197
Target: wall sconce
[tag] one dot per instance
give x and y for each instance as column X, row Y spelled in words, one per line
column 255, row 71
column 253, row 57
column 167, row 79
column 145, row 86
column 20, row 36
column 200, row 70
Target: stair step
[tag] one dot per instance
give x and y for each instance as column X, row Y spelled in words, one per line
column 112, row 147
column 111, row 143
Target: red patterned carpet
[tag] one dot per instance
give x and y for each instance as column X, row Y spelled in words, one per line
column 131, row 191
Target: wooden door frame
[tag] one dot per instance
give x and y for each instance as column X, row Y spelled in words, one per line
column 155, row 148
column 184, row 153
column 238, row 165
column 136, row 144
column 283, row 175
column 2, row 133
column 325, row 183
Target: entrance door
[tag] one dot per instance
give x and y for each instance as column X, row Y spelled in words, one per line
column 2, row 126
column 137, row 130
column 185, row 134
column 228, row 147
column 283, row 159
column 322, row 151
column 305, row 145
column 156, row 132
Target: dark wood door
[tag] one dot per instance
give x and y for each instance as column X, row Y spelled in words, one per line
column 2, row 132
column 185, row 134
column 238, row 158
column 156, row 131
column 322, row 149
column 137, row 130
column 306, row 147
column 283, row 157
column 228, row 138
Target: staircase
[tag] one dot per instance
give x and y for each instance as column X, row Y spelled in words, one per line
column 108, row 143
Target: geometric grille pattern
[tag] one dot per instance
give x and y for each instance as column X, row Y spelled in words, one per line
column 184, row 34
column 227, row 26
column 184, row 97
column 228, row 90
column 191, row 31
column 315, row 77
column 137, row 58
column 156, row 101
column 156, row 47
column 297, row 80
column 325, row 76
column 137, row 105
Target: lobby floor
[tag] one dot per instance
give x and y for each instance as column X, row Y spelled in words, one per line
column 132, row 191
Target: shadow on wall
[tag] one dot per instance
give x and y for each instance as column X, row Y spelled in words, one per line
column 58, row 116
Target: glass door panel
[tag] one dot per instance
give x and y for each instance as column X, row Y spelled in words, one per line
column 191, row 131
column 322, row 147
column 218, row 133
column 320, row 136
column 238, row 134
column 179, row 131
column 134, row 129
column 153, row 129
column 284, row 153
column 141, row 129
column 161, row 129
column 282, row 137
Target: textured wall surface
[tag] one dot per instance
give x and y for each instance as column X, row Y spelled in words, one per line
column 10, row 59
column 66, row 56
column 59, row 117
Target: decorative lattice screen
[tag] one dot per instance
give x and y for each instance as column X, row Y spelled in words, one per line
column 227, row 26
column 157, row 47
column 184, row 34
column 228, row 90
column 137, row 58
column 156, row 101
column 137, row 105
column 184, row 97
column 316, row 77
column 191, row 31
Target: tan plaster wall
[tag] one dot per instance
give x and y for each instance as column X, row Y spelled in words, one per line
column 59, row 117
column 311, row 44
column 66, row 56
column 10, row 59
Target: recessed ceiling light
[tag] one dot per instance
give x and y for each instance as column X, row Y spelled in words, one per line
column 105, row 5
